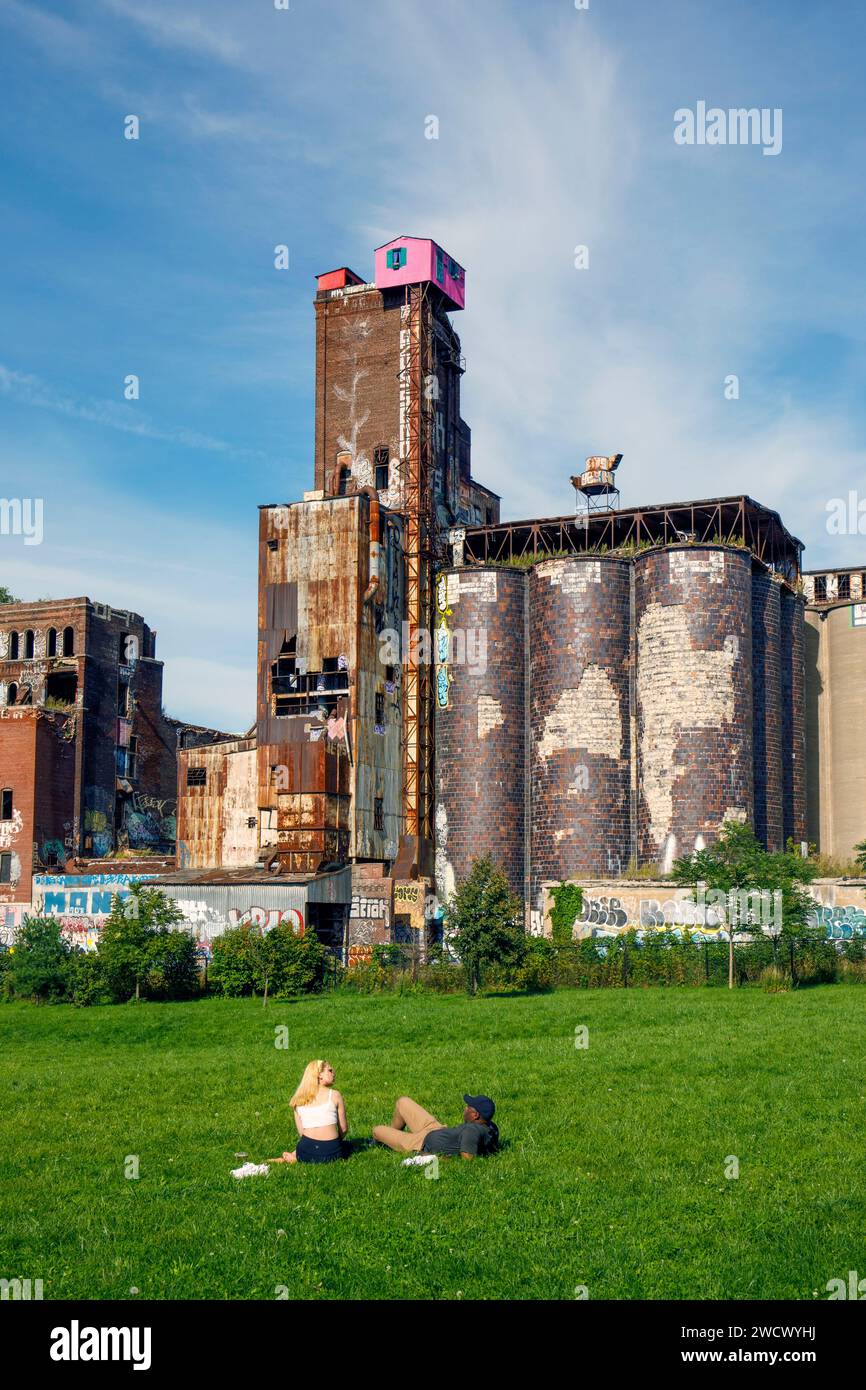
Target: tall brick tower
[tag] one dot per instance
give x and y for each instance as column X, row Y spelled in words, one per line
column 388, row 369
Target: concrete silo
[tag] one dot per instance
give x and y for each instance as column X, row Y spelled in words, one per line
column 793, row 685
column 480, row 723
column 693, row 626
column 767, row 703
column 579, row 645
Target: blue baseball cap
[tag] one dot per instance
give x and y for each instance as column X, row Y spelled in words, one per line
column 483, row 1104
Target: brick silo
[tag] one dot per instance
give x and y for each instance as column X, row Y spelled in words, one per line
column 579, row 645
column 793, row 650
column 480, row 724
column 767, row 704
column 693, row 623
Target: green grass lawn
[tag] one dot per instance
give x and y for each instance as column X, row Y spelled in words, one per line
column 613, row 1174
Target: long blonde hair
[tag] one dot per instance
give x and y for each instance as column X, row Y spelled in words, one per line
column 309, row 1087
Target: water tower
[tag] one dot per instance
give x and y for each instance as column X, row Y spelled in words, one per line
column 596, row 487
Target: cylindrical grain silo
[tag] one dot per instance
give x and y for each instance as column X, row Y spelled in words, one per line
column 835, row 681
column 767, row 706
column 480, row 680
column 579, row 643
column 793, row 650
column 693, row 621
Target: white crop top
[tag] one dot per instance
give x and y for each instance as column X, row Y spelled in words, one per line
column 318, row 1116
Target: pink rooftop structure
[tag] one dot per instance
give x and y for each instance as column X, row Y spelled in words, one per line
column 410, row 260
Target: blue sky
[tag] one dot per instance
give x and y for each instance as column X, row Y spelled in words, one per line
column 307, row 127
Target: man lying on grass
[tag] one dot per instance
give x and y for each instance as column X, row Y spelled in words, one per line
column 415, row 1130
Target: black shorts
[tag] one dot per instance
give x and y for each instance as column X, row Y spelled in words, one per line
column 320, row 1150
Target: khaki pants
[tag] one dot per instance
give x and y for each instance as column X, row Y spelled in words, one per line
column 409, row 1127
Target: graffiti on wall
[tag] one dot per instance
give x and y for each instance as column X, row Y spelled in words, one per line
column 608, row 914
column 840, row 923
column 443, row 642
column 268, row 917
column 360, row 953
column 376, row 908
column 150, row 821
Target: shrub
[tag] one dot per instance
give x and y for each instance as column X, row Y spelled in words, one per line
column 39, row 968
column 140, row 950
column 774, row 980
column 567, row 903
column 483, row 923
column 87, row 982
column 247, row 960
column 232, row 972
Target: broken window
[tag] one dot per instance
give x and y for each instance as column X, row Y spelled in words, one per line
column 11, row 693
column 5, row 868
column 381, row 459
column 6, row 804
column 51, row 647
column 844, row 586
column 196, row 777
column 378, row 813
column 13, row 646
column 821, row 588
column 126, row 760
column 122, row 699
column 29, row 644
column 61, row 688
column 380, row 708
column 300, row 692
column 68, row 641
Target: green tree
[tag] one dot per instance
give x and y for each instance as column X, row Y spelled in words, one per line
column 6, row 596
column 39, row 961
column 483, row 922
column 860, row 856
column 140, row 948
column 277, row 963
column 737, row 864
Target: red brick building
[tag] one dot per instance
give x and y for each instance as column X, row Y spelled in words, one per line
column 88, row 758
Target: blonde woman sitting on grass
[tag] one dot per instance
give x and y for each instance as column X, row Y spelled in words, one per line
column 320, row 1116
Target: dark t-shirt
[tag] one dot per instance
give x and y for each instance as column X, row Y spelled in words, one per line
column 462, row 1139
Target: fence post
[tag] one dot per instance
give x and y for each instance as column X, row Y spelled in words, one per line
column 707, row 961
column 793, row 963
column 625, row 965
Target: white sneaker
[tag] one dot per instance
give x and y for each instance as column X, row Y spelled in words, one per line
column 251, row 1170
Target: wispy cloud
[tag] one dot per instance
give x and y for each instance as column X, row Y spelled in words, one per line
column 29, row 390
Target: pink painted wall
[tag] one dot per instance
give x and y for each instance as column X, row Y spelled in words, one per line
column 421, row 263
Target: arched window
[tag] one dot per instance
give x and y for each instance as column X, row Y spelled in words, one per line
column 11, row 693
column 68, row 641
column 29, row 644
column 13, row 646
column 51, row 649
column 342, row 481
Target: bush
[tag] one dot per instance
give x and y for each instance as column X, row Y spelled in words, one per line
column 39, row 968
column 87, row 982
column 567, row 903
column 141, row 951
column 774, row 980
column 483, row 923
column 247, row 960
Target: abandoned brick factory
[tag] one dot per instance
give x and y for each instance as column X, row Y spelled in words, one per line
column 576, row 697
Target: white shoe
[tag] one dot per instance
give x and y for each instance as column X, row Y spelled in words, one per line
column 251, row 1170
